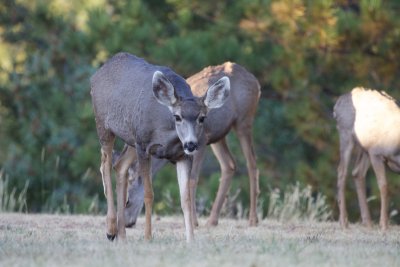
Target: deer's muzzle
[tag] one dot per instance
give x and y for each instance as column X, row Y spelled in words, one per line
column 190, row 146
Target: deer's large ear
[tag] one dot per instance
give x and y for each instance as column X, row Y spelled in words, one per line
column 217, row 93
column 163, row 90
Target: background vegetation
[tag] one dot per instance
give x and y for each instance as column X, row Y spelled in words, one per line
column 304, row 53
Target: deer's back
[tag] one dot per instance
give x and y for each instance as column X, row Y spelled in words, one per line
column 241, row 105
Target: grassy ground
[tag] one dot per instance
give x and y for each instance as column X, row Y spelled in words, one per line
column 54, row 240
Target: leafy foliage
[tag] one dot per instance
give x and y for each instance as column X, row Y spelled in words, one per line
column 304, row 53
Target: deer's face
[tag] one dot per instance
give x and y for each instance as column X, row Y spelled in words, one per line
column 189, row 119
column 189, row 114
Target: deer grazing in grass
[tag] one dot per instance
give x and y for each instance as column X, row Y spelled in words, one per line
column 238, row 114
column 153, row 110
column 367, row 120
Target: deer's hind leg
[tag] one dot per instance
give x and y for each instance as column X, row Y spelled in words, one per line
column 359, row 172
column 105, row 169
column 379, row 168
column 346, row 147
column 228, row 166
column 246, row 143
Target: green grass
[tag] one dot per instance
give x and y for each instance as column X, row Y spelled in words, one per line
column 70, row 240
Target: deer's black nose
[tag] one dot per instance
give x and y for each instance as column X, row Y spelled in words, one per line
column 191, row 146
column 130, row 224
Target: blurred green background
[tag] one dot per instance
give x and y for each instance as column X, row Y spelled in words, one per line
column 304, row 53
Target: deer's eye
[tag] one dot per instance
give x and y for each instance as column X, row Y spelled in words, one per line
column 177, row 118
column 201, row 119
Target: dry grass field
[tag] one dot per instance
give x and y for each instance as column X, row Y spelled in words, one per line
column 69, row 240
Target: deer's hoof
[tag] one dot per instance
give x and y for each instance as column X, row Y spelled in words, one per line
column 367, row 225
column 384, row 227
column 344, row 225
column 130, row 224
column 253, row 223
column 212, row 223
column 111, row 237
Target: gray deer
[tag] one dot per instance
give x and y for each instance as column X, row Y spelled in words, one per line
column 153, row 110
column 238, row 114
column 367, row 120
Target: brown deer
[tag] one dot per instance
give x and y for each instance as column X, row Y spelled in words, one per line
column 368, row 121
column 238, row 114
column 153, row 110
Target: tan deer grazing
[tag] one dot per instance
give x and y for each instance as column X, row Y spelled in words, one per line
column 238, row 114
column 368, row 121
column 153, row 110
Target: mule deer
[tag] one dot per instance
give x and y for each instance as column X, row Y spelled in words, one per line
column 367, row 120
column 154, row 112
column 237, row 113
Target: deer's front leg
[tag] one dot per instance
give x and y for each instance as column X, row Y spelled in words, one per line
column 227, row 163
column 145, row 173
column 194, row 178
column 126, row 158
column 105, row 169
column 183, row 168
